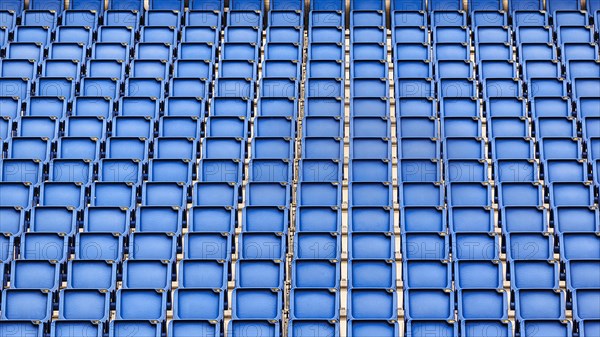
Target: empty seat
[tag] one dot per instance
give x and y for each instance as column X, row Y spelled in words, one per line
column 28, row 148
column 49, row 106
column 448, row 17
column 578, row 51
column 529, row 246
column 22, row 304
column 53, row 220
column 531, row 274
column 211, row 219
column 159, row 219
column 66, row 51
column 212, row 246
column 15, row 87
column 113, row 194
column 261, row 246
column 111, row 219
column 202, row 274
column 163, row 194
column 572, row 34
column 79, row 304
column 162, row 17
column 139, row 274
column 98, row 246
column 63, row 194
column 190, row 50
column 44, row 246
column 214, row 194
column 88, row 274
column 482, row 304
column 33, row 34
column 23, row 50
column 540, row 304
column 32, row 274
column 439, row 300
column 133, row 304
column 579, row 246
column 21, row 170
column 478, row 274
column 268, row 194
column 122, row 16
column 197, row 304
column 153, row 246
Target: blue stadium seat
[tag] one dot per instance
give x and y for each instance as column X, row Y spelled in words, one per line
column 100, row 87
column 162, row 18
column 44, row 246
column 301, row 300
column 268, row 194
column 147, row 107
column 99, row 246
column 203, row 17
column 166, row 35
column 171, row 170
column 490, row 17
column 53, row 220
column 574, row 34
column 24, row 50
column 18, row 68
column 369, row 246
column 134, row 304
column 529, row 246
column 175, row 148
column 28, row 148
column 580, row 274
column 371, row 274
column 214, row 194
column 365, row 18
column 202, row 274
column 516, row 170
column 533, row 34
column 140, row 274
column 536, row 51
column 290, row 69
column 497, row 69
column 145, row 87
column 21, row 170
column 423, row 219
column 78, row 148
column 420, row 327
column 578, row 246
column 372, row 304
column 177, row 5
column 51, row 5
column 88, row 274
column 410, row 34
column 133, row 5
column 265, row 219
column 87, row 126
column 153, row 51
column 120, row 170
column 425, row 274
column 153, row 246
column 211, row 219
column 66, row 51
column 445, row 34
column 450, row 17
column 74, row 34
column 41, row 17
column 32, row 274
column 159, row 219
column 193, row 68
column 564, row 148
column 113, row 194
column 15, row 87
column 14, row 218
column 426, row 246
column 11, row 108
column 571, row 194
column 482, row 304
column 318, row 246
column 119, row 327
column 198, row 304
column 123, row 17
column 478, row 274
column 440, row 301
column 17, row 194
column 476, row 246
column 106, row 218
column 38, row 126
column 62, row 194
column 207, row 246
column 545, row 326
column 223, row 148
column 80, row 17
column 106, row 68
column 555, row 127
column 532, row 274
column 163, row 194
column 520, row 194
column 38, row 305
column 77, row 304
column 539, row 304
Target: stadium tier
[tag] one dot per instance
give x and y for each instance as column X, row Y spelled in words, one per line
column 292, row 168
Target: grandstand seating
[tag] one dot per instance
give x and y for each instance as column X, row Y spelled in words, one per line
column 288, row 168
